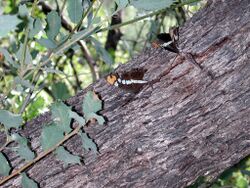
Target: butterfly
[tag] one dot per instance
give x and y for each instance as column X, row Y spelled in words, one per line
column 130, row 81
column 168, row 41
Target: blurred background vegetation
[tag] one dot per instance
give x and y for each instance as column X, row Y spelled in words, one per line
column 122, row 29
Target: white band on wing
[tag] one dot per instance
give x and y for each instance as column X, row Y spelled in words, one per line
column 136, row 81
column 166, row 44
column 128, row 82
column 116, row 84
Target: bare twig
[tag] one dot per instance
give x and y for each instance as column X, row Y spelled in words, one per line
column 78, row 82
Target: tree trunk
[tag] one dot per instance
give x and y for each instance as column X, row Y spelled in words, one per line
column 186, row 125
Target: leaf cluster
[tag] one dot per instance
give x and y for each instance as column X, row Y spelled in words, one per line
column 52, row 137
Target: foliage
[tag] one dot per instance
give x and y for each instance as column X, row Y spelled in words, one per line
column 52, row 137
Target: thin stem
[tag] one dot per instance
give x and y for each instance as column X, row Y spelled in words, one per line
column 145, row 16
column 131, row 21
column 89, row 60
column 63, row 6
column 23, row 57
column 84, row 15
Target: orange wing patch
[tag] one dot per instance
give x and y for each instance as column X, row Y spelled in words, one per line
column 155, row 44
column 111, row 79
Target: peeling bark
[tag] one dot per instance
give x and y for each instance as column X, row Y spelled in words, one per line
column 182, row 127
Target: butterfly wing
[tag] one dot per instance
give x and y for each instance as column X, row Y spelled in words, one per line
column 169, row 40
column 134, row 74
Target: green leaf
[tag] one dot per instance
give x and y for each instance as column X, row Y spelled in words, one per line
column 83, row 34
column 241, row 182
column 25, row 83
column 19, row 54
column 54, row 24
column 8, row 23
column 67, row 157
column 51, row 135
column 36, row 28
column 10, row 120
column 4, row 167
column 51, row 70
column 245, row 172
column 99, row 118
column 23, row 11
column 25, row 153
column 35, row 107
column 88, row 143
column 49, row 44
column 75, row 10
column 23, row 149
column 151, row 5
column 60, row 115
column 8, row 57
column 78, row 118
column 106, row 57
column 91, row 103
column 60, row 91
column 27, row 182
column 121, row 4
column 76, row 37
column 19, row 139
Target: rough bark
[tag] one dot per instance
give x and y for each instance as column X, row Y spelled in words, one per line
column 182, row 127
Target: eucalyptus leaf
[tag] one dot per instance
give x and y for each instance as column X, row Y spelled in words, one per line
column 51, row 70
column 54, row 24
column 8, row 23
column 67, row 157
column 246, row 172
column 88, row 143
column 75, row 10
column 19, row 54
column 25, row 152
column 10, row 120
column 19, row 139
column 102, row 52
column 25, row 83
column 121, row 4
column 99, row 118
column 78, row 118
column 22, row 149
column 27, row 182
column 51, row 135
column 60, row 115
column 5, row 166
column 36, row 28
column 49, row 44
column 34, row 108
column 23, row 10
column 90, row 18
column 60, row 91
column 91, row 103
column 81, row 35
column 150, row 5
column 8, row 57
